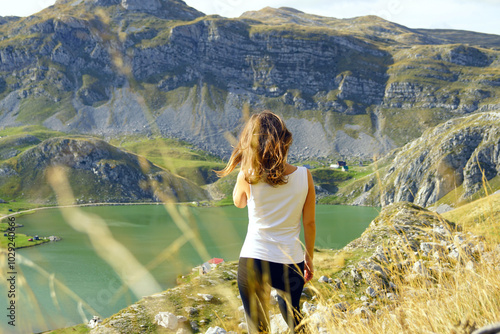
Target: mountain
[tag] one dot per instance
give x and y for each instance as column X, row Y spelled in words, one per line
column 355, row 87
column 98, row 172
column 455, row 162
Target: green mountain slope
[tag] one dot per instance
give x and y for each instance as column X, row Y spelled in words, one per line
column 98, row 172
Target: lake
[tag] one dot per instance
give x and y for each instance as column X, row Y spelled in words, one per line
column 63, row 283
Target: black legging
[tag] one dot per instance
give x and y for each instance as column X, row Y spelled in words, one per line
column 253, row 275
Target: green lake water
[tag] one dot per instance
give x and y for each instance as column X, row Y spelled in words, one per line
column 56, row 283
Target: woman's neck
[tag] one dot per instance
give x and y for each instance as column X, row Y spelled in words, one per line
column 289, row 169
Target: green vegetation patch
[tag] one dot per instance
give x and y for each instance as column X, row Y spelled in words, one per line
column 175, row 156
column 411, row 123
column 35, row 110
column 329, row 179
column 20, row 241
column 78, row 329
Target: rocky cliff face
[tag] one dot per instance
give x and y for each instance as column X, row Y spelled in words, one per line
column 98, row 172
column 460, row 156
column 112, row 67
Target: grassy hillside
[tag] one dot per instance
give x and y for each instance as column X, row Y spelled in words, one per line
column 481, row 216
column 25, row 187
column 176, row 156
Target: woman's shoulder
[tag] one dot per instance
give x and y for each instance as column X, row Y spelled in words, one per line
column 299, row 171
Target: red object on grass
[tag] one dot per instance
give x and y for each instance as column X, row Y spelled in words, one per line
column 215, row 260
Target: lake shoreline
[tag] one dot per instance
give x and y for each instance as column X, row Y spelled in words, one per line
column 208, row 204
column 34, row 210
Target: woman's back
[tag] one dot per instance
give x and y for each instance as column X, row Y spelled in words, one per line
column 274, row 219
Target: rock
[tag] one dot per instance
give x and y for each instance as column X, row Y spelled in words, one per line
column 467, row 56
column 243, row 326
column 374, row 267
column 308, row 308
column 428, row 247
column 454, row 254
column 341, row 306
column 324, row 279
column 2, row 201
column 371, row 292
column 94, row 321
column 216, row 330
column 167, row 320
column 459, row 239
column 380, row 255
column 391, row 296
column 338, row 284
column 458, row 148
column 206, row 297
column 191, row 311
column 181, row 319
column 308, row 292
column 194, row 326
column 362, row 311
column 274, row 297
column 419, row 268
column 278, row 324
column 441, row 230
column 442, row 208
column 355, row 275
column 318, row 320
column 183, row 330
column 470, row 266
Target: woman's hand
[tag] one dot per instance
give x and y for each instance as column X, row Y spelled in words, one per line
column 308, row 269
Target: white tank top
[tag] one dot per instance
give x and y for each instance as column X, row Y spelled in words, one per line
column 274, row 215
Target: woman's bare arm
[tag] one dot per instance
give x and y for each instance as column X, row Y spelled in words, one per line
column 309, row 222
column 241, row 191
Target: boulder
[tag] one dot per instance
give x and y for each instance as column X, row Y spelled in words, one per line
column 216, row 330
column 278, row 324
column 191, row 311
column 206, row 297
column 167, row 320
column 94, row 321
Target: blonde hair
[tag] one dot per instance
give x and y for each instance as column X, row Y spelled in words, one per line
column 262, row 150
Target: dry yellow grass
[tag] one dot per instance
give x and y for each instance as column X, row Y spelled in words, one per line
column 481, row 217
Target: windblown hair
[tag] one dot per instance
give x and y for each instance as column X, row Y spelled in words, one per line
column 262, row 150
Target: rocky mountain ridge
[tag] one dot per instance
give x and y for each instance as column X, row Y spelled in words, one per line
column 459, row 158
column 98, row 172
column 349, row 87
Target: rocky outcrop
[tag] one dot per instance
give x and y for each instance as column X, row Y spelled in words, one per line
column 166, row 9
column 467, row 56
column 464, row 152
column 98, row 172
column 11, row 146
column 405, row 246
